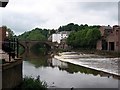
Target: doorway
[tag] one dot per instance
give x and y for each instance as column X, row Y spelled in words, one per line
column 111, row 46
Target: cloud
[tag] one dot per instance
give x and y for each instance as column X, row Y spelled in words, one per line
column 21, row 21
column 24, row 15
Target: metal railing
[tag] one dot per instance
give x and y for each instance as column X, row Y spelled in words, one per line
column 11, row 47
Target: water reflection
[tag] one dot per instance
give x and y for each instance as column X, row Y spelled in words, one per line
column 71, row 68
column 68, row 67
column 65, row 75
column 38, row 62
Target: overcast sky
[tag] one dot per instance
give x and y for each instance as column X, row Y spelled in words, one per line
column 24, row 15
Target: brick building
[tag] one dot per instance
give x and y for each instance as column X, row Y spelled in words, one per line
column 2, row 35
column 110, row 40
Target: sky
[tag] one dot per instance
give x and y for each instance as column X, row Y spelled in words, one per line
column 25, row 15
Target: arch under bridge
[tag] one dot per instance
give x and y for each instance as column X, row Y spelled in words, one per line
column 28, row 44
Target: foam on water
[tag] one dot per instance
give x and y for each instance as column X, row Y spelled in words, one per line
column 108, row 65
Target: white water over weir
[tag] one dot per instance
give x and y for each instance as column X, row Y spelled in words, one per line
column 92, row 61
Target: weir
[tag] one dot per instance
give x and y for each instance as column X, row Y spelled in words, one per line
column 99, row 63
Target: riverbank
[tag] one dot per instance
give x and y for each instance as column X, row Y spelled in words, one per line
column 99, row 52
column 94, row 51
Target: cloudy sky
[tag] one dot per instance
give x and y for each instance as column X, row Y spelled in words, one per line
column 24, row 15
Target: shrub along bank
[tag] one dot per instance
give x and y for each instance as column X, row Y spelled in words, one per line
column 30, row 83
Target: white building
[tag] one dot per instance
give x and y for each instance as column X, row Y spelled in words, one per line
column 56, row 38
column 59, row 36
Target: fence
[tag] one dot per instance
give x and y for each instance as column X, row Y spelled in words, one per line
column 11, row 47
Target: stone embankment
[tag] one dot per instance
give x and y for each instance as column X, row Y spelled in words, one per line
column 11, row 71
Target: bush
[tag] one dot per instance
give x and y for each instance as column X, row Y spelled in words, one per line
column 30, row 83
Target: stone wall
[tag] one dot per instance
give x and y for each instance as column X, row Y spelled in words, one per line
column 11, row 74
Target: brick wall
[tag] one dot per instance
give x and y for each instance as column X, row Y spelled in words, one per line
column 110, row 34
column 2, row 35
column 99, row 45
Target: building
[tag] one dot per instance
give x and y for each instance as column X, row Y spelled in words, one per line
column 2, row 35
column 56, row 38
column 63, row 44
column 11, row 73
column 50, row 38
column 110, row 40
column 59, row 36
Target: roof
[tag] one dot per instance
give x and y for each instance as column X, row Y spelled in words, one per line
column 64, row 32
column 107, row 27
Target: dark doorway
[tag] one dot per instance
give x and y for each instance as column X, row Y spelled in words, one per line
column 104, row 45
column 111, row 46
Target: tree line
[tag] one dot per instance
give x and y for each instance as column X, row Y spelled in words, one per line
column 82, row 36
column 86, row 38
column 36, row 34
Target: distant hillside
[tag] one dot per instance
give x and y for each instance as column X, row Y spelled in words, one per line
column 36, row 34
column 43, row 34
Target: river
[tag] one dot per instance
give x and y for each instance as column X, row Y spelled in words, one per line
column 60, row 74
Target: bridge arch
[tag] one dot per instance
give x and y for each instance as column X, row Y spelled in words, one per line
column 22, row 48
column 27, row 45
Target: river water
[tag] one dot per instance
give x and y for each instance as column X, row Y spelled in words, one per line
column 60, row 74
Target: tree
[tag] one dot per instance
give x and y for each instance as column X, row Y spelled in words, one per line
column 69, row 27
column 85, row 38
column 34, row 34
column 71, row 39
column 10, row 32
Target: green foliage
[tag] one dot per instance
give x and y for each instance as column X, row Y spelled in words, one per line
column 85, row 38
column 10, row 32
column 39, row 49
column 76, row 27
column 39, row 62
column 35, row 34
column 92, row 36
column 71, row 39
column 30, row 83
column 82, row 36
column 69, row 27
column 21, row 49
column 76, row 68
